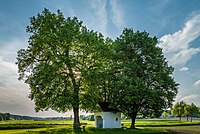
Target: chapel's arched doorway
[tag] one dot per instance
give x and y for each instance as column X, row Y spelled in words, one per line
column 99, row 122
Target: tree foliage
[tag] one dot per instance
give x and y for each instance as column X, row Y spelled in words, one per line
column 99, row 80
column 191, row 110
column 69, row 67
column 4, row 116
column 179, row 109
column 144, row 81
column 134, row 76
column 56, row 62
column 165, row 114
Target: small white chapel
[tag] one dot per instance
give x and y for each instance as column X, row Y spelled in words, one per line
column 108, row 117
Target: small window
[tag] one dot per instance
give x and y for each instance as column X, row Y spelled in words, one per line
column 116, row 119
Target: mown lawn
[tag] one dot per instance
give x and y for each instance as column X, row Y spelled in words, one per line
column 160, row 122
column 183, row 129
column 62, row 126
column 89, row 130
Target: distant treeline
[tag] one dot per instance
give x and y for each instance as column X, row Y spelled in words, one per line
column 4, row 116
column 21, row 117
column 8, row 116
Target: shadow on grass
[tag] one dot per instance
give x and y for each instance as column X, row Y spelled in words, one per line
column 93, row 130
column 23, row 126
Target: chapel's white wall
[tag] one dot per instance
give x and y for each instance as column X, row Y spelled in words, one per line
column 109, row 119
column 106, row 120
column 117, row 124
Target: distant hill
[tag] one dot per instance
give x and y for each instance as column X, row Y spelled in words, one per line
column 21, row 117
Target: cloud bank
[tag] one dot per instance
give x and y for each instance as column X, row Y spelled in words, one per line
column 177, row 47
column 118, row 14
column 194, row 98
column 100, row 15
column 13, row 93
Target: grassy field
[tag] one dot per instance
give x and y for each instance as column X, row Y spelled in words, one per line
column 183, row 129
column 62, row 126
column 161, row 122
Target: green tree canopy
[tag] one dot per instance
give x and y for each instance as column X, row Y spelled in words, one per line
column 56, row 61
column 145, row 83
column 179, row 109
column 69, row 67
column 191, row 110
column 99, row 80
column 165, row 114
column 134, row 76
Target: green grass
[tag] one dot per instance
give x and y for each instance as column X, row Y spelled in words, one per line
column 37, row 122
column 62, row 126
column 183, row 129
column 31, row 124
column 159, row 123
column 93, row 130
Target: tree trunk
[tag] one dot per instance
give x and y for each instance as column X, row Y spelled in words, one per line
column 191, row 119
column 76, row 108
column 76, row 100
column 187, row 117
column 180, row 118
column 76, row 117
column 133, row 117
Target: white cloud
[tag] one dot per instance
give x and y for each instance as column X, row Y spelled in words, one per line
column 13, row 93
column 177, row 46
column 184, row 69
column 8, row 49
column 94, row 16
column 118, row 13
column 197, row 83
column 194, row 98
column 183, row 56
column 189, row 97
column 99, row 15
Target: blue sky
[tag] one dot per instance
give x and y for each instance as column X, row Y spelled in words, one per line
column 176, row 23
